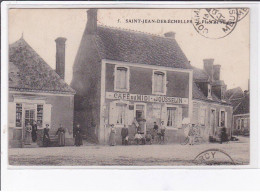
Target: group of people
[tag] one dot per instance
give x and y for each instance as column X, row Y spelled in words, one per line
column 31, row 135
column 139, row 137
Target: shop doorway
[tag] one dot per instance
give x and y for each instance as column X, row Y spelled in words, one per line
column 212, row 122
column 140, row 115
column 29, row 117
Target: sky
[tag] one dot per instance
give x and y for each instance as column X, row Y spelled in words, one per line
column 40, row 28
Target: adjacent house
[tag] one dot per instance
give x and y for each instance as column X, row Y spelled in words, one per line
column 38, row 93
column 124, row 77
column 211, row 109
column 241, row 115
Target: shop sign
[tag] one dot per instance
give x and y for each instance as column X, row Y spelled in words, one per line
column 146, row 98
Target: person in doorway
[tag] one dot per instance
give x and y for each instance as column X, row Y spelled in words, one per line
column 78, row 135
column 112, row 137
column 46, row 136
column 34, row 131
column 61, row 136
column 28, row 131
column 191, row 134
column 162, row 132
column 124, row 134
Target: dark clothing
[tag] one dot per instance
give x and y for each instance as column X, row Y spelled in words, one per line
column 124, row 134
column 46, row 137
column 61, row 136
column 156, row 127
column 34, row 132
column 78, row 136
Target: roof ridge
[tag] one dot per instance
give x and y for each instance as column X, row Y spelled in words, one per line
column 135, row 31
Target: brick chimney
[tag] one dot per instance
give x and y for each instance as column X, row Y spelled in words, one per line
column 60, row 56
column 216, row 72
column 208, row 67
column 170, row 35
column 92, row 21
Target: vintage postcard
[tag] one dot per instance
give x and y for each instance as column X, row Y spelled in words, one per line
column 129, row 87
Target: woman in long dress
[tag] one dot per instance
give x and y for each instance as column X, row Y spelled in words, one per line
column 61, row 136
column 46, row 136
column 34, row 131
column 78, row 136
column 28, row 131
column 112, row 138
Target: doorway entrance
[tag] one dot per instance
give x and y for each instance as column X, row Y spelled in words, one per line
column 140, row 115
column 212, row 122
column 29, row 117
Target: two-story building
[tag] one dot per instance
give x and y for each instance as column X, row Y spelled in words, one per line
column 122, row 77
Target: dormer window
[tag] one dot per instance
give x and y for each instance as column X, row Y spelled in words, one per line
column 121, row 79
column 209, row 91
column 159, row 82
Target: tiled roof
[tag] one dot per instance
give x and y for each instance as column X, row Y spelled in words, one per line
column 234, row 93
column 244, row 106
column 137, row 47
column 29, row 72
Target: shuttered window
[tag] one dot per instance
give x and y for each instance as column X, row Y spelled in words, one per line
column 121, row 78
column 159, row 82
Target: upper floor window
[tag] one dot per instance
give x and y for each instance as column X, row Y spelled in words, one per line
column 159, row 82
column 122, row 79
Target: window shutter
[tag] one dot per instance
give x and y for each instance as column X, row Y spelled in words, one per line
column 225, row 119
column 112, row 113
column 164, row 114
column 47, row 110
column 179, row 122
column 12, row 114
column 130, row 116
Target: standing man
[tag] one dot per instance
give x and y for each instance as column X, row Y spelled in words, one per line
column 162, row 132
column 155, row 130
column 124, row 134
column 191, row 134
column 77, row 135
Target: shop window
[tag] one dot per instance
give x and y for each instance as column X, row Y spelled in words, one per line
column 19, row 112
column 171, row 117
column 159, row 82
column 121, row 114
column 39, row 115
column 202, row 116
column 122, row 79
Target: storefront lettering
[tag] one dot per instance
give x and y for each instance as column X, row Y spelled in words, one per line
column 146, row 98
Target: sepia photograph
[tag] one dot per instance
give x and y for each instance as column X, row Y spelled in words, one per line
column 129, row 87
